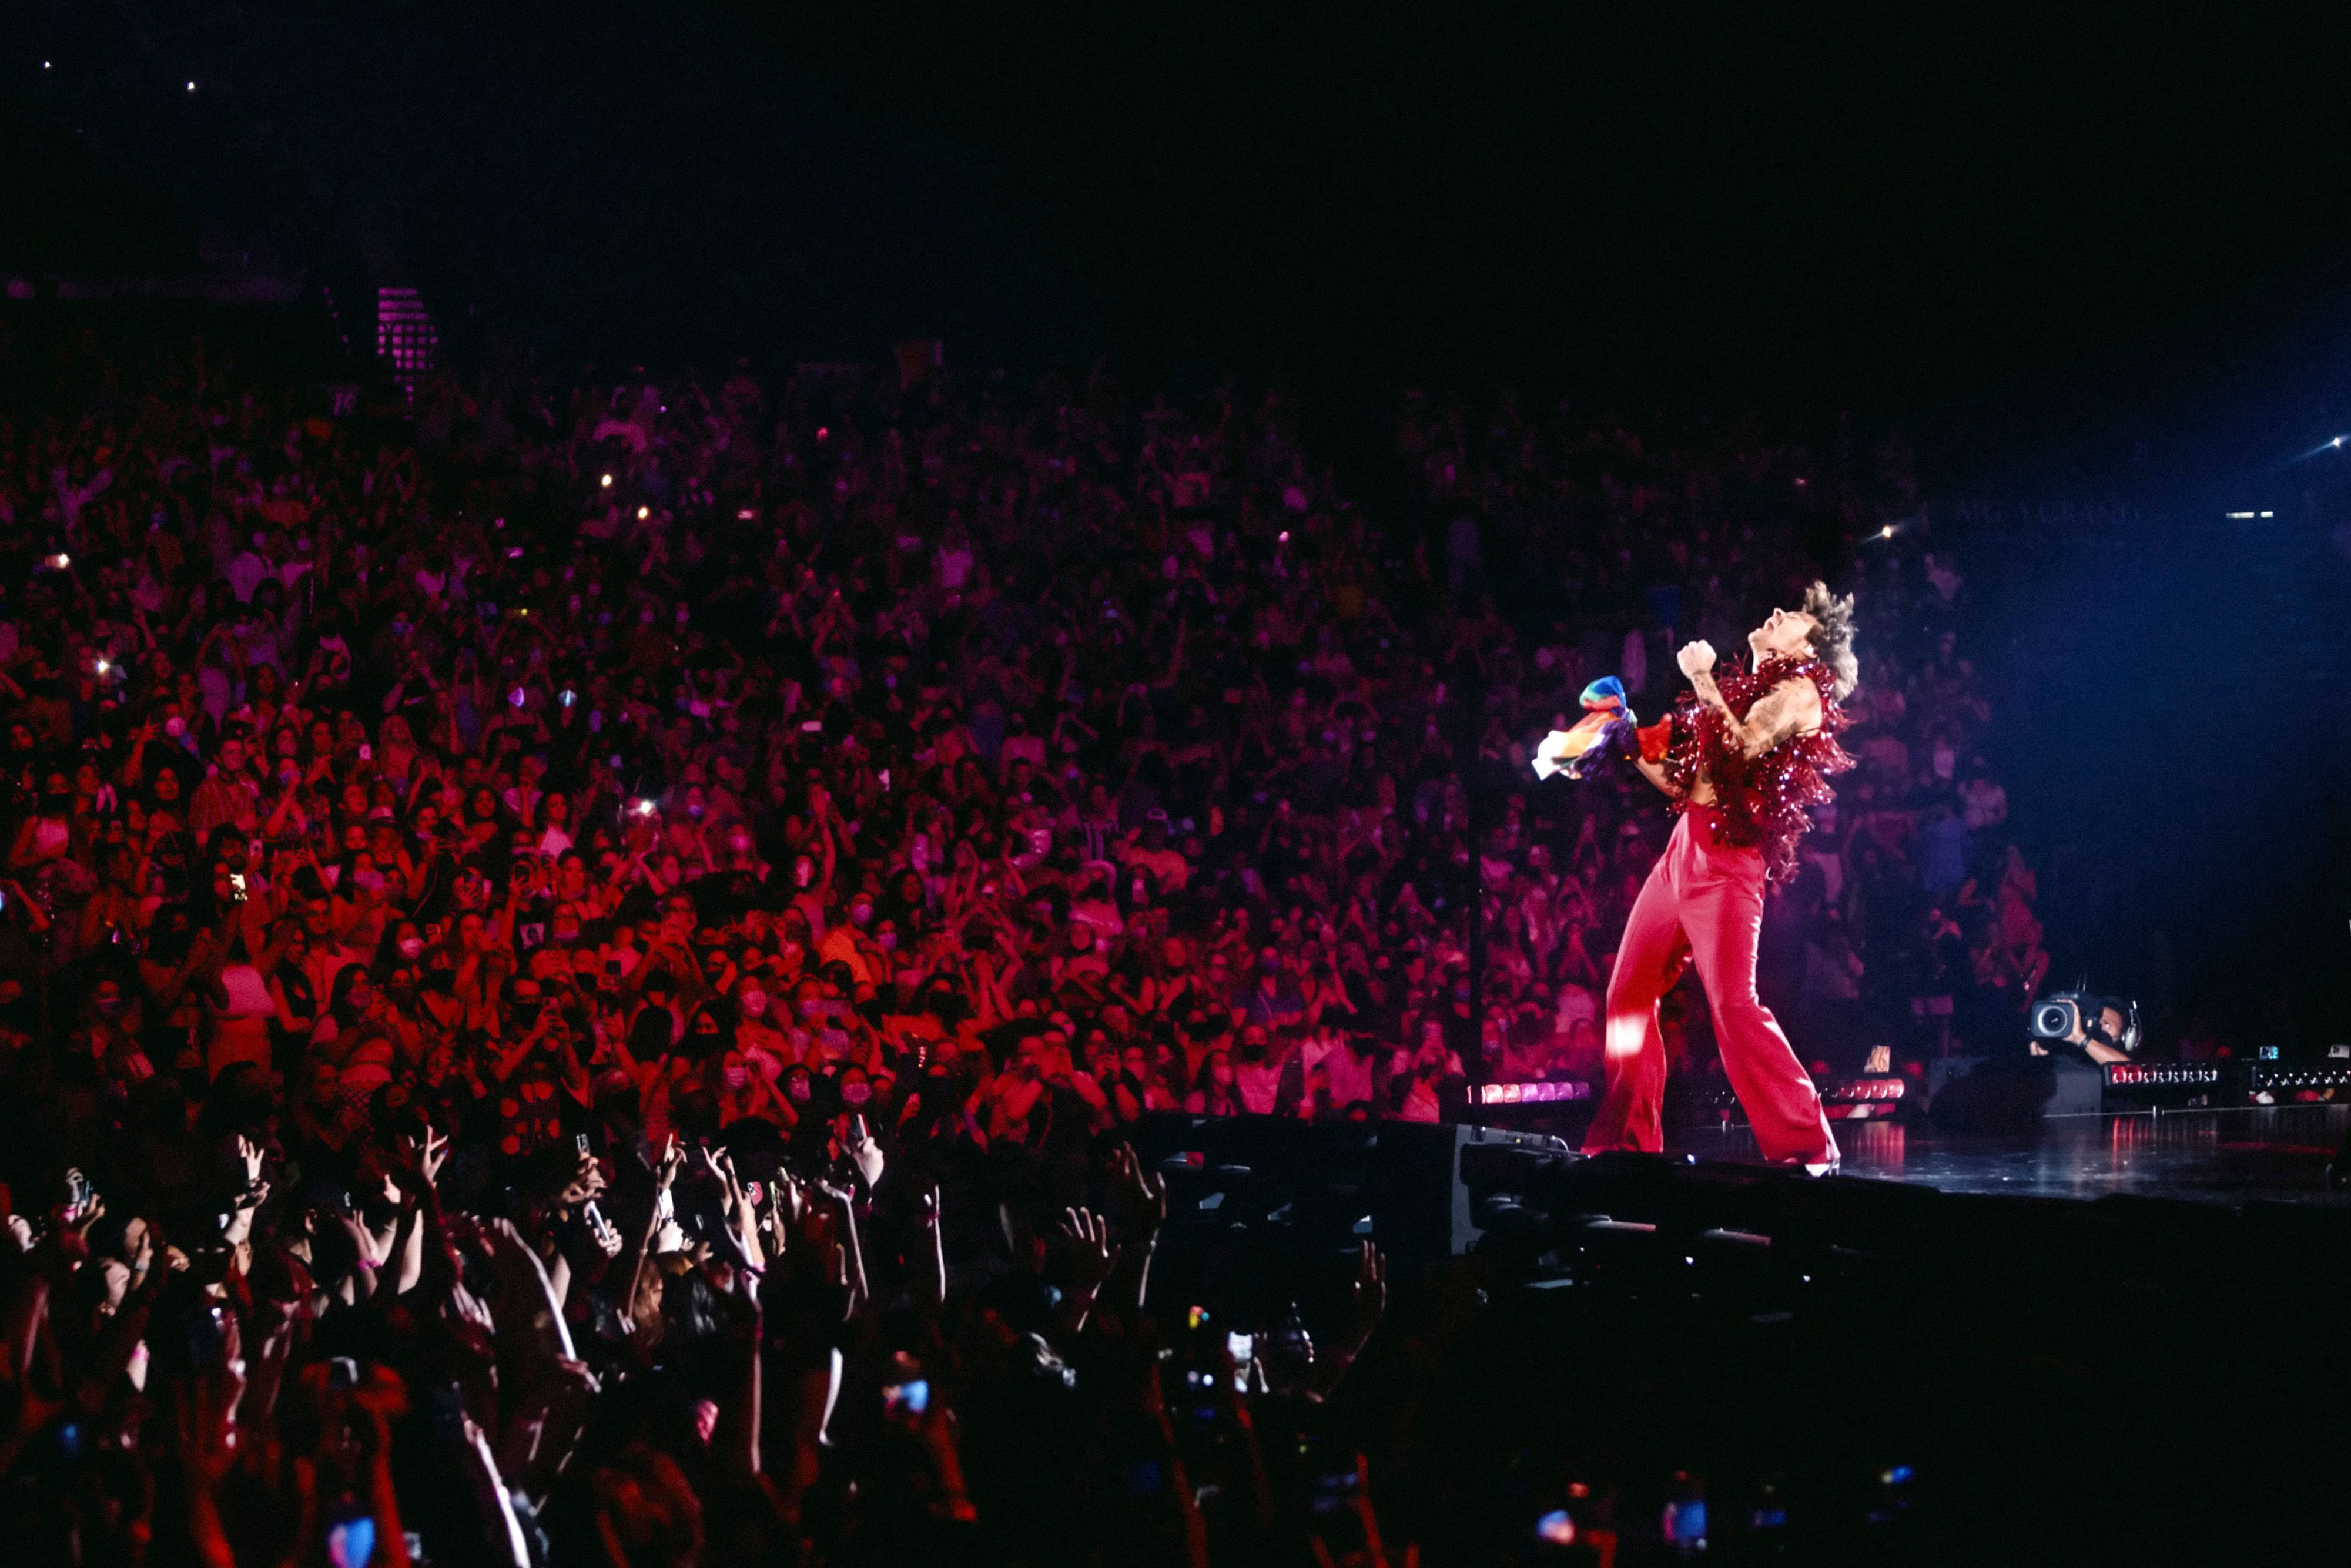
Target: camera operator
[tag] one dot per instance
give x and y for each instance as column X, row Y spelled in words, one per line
column 2073, row 1034
column 2102, row 1031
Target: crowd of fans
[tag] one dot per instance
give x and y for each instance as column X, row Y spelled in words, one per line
column 685, row 891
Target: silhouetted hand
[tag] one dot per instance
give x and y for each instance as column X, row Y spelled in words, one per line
column 1370, row 1293
column 1096, row 1255
column 1141, row 1195
column 864, row 1152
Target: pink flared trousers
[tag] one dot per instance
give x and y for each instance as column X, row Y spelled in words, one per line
column 1703, row 904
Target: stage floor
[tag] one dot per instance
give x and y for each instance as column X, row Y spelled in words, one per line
column 2225, row 1156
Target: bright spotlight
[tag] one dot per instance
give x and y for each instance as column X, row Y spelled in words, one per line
column 606, row 481
column 643, row 512
column 191, row 86
column 1886, row 532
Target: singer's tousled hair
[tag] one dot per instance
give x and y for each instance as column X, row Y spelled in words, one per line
column 1831, row 638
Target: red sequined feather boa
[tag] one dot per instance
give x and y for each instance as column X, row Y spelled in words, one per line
column 1760, row 800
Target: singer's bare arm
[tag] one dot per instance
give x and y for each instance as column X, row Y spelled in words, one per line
column 1655, row 772
column 1792, row 707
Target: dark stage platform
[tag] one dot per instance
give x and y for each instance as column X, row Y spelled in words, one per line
column 2110, row 1340
column 2234, row 1156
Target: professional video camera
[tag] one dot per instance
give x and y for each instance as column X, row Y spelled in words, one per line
column 2062, row 1016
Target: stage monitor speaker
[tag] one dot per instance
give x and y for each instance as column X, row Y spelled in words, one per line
column 2081, row 1089
column 1496, row 1172
column 1420, row 1191
column 2004, row 1093
column 1941, row 1070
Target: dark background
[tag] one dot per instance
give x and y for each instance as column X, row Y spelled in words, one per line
column 1806, row 205
column 2097, row 254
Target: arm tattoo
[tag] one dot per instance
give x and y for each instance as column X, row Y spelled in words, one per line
column 1778, row 714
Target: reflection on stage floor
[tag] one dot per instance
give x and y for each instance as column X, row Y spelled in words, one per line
column 2233, row 1157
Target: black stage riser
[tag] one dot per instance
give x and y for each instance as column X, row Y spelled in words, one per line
column 1265, row 1188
